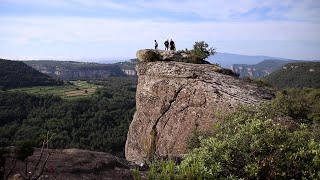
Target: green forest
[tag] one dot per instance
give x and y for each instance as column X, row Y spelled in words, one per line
column 99, row 122
column 277, row 140
column 296, row 75
column 17, row 74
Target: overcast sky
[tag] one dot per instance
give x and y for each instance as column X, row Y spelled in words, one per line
column 109, row 29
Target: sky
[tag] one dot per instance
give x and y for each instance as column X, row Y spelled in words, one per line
column 113, row 30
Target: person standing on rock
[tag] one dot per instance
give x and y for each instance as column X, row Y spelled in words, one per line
column 172, row 45
column 166, row 45
column 155, row 44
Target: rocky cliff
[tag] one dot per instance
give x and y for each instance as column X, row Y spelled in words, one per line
column 70, row 70
column 175, row 98
column 260, row 69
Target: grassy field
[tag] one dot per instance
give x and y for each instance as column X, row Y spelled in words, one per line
column 68, row 91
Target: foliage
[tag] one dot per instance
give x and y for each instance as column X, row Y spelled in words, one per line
column 99, row 122
column 251, row 146
column 136, row 174
column 200, row 52
column 303, row 106
column 24, row 149
column 17, row 74
column 296, row 75
column 162, row 170
column 195, row 139
column 258, row 82
column 278, row 140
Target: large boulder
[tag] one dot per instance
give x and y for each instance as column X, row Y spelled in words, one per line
column 173, row 99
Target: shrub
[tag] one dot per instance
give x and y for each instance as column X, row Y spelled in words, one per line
column 199, row 53
column 277, row 140
column 247, row 145
column 24, row 149
column 202, row 50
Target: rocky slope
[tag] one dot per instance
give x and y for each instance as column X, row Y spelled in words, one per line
column 75, row 164
column 174, row 98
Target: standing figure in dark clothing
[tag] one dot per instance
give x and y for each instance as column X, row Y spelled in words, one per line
column 155, row 44
column 166, row 45
column 172, row 46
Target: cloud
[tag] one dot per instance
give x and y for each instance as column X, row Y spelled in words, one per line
column 122, row 27
column 216, row 10
column 75, row 29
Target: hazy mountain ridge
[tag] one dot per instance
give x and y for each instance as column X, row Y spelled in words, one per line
column 226, row 60
column 70, row 70
column 260, row 69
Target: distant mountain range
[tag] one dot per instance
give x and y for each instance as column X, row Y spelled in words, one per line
column 71, row 70
column 260, row 69
column 226, row 60
column 252, row 66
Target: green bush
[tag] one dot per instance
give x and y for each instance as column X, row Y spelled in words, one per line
column 199, row 53
column 247, row 145
column 301, row 105
column 24, row 149
column 277, row 140
column 194, row 140
column 258, row 82
column 202, row 50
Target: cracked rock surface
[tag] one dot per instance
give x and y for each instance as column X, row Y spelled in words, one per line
column 174, row 98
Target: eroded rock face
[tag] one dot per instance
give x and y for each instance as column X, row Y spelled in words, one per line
column 173, row 99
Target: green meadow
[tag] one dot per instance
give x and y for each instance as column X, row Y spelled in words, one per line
column 71, row 90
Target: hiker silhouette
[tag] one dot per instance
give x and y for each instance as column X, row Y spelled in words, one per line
column 155, row 44
column 166, row 45
column 172, row 45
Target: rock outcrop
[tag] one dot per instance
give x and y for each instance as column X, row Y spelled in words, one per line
column 76, row 164
column 173, row 99
column 150, row 55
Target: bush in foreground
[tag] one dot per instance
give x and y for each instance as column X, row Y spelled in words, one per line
column 277, row 140
column 247, row 145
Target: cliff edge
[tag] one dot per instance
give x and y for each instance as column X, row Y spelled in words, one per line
column 175, row 98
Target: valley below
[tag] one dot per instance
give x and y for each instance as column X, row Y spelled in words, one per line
column 180, row 110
